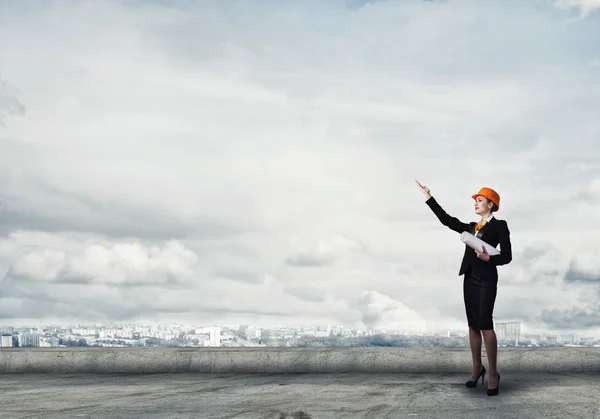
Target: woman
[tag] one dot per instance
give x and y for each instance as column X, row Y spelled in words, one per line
column 480, row 278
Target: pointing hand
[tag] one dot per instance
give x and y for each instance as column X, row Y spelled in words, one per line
column 424, row 189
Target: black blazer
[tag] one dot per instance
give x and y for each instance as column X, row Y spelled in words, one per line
column 493, row 233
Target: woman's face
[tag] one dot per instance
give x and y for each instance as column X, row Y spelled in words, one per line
column 482, row 205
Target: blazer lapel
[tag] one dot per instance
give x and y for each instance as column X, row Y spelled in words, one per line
column 485, row 227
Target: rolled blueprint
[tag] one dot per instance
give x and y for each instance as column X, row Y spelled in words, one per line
column 477, row 244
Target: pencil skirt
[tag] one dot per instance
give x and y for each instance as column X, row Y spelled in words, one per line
column 480, row 297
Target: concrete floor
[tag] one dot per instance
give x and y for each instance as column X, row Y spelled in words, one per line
column 170, row 396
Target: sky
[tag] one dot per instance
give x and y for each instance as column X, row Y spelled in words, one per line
column 224, row 162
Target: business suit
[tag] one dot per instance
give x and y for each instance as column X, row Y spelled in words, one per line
column 480, row 277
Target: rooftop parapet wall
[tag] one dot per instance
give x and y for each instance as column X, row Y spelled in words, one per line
column 289, row 360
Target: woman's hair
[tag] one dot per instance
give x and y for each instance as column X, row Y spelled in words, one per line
column 494, row 206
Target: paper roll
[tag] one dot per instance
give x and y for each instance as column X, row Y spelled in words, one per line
column 477, row 244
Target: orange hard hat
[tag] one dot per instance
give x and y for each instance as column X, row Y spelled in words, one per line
column 490, row 194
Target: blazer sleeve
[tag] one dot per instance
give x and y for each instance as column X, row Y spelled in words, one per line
column 505, row 255
column 451, row 222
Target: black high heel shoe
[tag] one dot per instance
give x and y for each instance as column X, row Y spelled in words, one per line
column 472, row 384
column 494, row 391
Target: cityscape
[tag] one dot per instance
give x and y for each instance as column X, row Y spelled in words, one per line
column 175, row 335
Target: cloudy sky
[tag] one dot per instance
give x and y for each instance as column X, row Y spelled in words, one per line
column 220, row 162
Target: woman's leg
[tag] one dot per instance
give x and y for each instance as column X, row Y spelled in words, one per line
column 475, row 341
column 491, row 348
column 470, row 295
column 489, row 335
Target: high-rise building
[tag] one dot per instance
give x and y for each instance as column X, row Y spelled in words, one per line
column 6, row 341
column 572, row 338
column 29, row 339
column 214, row 335
column 509, row 332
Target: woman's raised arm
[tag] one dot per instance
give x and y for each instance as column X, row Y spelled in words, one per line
column 452, row 223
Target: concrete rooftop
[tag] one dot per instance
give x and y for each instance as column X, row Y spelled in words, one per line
column 278, row 383
column 264, row 396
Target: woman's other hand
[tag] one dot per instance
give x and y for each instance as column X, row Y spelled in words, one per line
column 484, row 256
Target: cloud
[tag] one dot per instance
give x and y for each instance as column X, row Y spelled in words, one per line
column 584, row 268
column 583, row 274
column 307, row 259
column 69, row 276
column 383, row 312
column 10, row 104
column 119, row 264
column 572, row 319
column 539, row 263
column 586, row 7
column 577, row 308
column 327, row 251
column 305, row 292
column 218, row 161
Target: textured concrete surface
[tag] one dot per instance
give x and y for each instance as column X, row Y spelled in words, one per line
column 288, row 360
column 339, row 396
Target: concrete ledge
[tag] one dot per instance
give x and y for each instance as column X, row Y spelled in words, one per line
column 288, row 360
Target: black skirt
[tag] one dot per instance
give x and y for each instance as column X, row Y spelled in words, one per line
column 480, row 297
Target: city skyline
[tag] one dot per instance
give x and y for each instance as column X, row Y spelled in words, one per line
column 220, row 162
column 509, row 333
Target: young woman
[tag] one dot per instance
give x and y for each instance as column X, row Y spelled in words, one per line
column 480, row 282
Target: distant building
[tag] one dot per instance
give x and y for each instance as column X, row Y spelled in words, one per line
column 572, row 338
column 253, row 333
column 509, row 332
column 84, row 331
column 6, row 341
column 29, row 340
column 214, row 335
